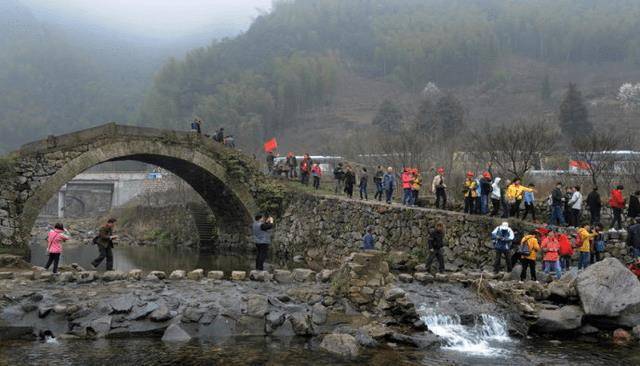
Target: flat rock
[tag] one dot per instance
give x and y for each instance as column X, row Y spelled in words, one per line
column 238, row 275
column 393, row 293
column 141, row 312
column 196, row 274
column 282, row 276
column 135, row 274
column 257, row 306
column 304, row 275
column 319, row 314
column 178, row 274
column 566, row 318
column 215, row 275
column 123, row 304
column 113, row 276
column 175, row 333
column 161, row 275
column 161, row 314
column 405, row 277
column 341, row 344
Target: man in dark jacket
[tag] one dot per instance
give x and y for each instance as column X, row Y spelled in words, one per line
column 377, row 179
column 436, row 243
column 557, row 199
column 338, row 176
column 633, row 238
column 634, row 205
column 595, row 206
column 261, row 229
column 485, row 191
column 104, row 240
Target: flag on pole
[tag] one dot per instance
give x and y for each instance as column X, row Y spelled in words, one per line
column 579, row 164
column 270, row 145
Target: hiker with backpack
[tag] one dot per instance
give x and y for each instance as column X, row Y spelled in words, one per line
column 565, row 250
column 435, row 244
column 528, row 250
column 551, row 257
column 502, row 238
column 599, row 244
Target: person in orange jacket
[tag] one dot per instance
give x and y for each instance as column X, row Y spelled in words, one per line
column 565, row 251
column 407, row 180
column 316, row 173
column 617, row 203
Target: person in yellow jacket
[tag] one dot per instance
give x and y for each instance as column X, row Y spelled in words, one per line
column 416, row 185
column 515, row 195
column 470, row 194
column 529, row 249
column 585, row 235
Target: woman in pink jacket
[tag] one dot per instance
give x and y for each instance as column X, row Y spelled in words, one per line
column 54, row 245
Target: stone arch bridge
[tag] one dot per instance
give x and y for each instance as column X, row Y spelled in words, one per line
column 228, row 181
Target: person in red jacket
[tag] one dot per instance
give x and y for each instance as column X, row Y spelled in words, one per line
column 407, row 179
column 617, row 203
column 550, row 249
column 565, row 251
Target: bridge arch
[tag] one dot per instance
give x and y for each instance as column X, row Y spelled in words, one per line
column 229, row 182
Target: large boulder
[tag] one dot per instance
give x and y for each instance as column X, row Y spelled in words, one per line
column 257, row 306
column 341, row 344
column 563, row 319
column 608, row 288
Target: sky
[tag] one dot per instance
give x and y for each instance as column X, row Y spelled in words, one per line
column 153, row 18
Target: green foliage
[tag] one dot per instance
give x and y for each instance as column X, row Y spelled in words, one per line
column 388, row 117
column 574, row 117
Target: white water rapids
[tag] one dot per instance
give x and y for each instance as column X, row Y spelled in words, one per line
column 479, row 339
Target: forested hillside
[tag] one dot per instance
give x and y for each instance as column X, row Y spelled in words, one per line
column 290, row 60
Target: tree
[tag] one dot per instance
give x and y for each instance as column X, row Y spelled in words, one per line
column 629, row 96
column 388, row 117
column 597, row 150
column 425, row 119
column 574, row 117
column 449, row 115
column 515, row 148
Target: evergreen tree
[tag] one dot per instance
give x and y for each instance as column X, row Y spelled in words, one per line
column 545, row 90
column 425, row 117
column 388, row 117
column 449, row 115
column 574, row 117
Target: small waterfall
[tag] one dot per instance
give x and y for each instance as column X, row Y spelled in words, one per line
column 479, row 339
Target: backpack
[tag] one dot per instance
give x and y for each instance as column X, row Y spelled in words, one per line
column 501, row 244
column 524, row 247
column 550, row 200
column 600, row 245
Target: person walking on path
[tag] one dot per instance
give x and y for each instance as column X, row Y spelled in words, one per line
column 261, row 229
column 377, row 179
column 557, row 201
column 416, row 185
column 316, row 173
column 633, row 239
column 435, row 245
column 368, row 241
column 585, row 236
column 502, row 239
column 104, row 240
column 389, row 184
column 617, row 203
column 575, row 203
column 565, row 251
column 634, row 205
column 55, row 238
column 349, row 181
column 530, row 204
column 407, row 178
column 470, row 194
column 529, row 249
column 439, row 188
column 594, row 203
column 551, row 256
column 496, row 195
column 364, row 181
column 338, row 176
column 485, row 191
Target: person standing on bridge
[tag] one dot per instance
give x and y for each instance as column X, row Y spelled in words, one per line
column 261, row 229
column 364, row 181
column 305, row 169
column 104, row 240
column 470, row 194
column 407, row 179
column 349, row 181
column 377, row 179
column 55, row 239
column 389, row 184
column 338, row 176
column 416, row 185
column 439, row 188
column 316, row 173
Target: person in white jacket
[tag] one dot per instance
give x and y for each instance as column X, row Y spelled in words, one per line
column 576, row 206
column 495, row 196
column 502, row 239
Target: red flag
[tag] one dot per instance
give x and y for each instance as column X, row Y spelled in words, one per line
column 270, row 145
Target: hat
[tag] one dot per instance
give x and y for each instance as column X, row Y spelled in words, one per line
column 440, row 170
column 504, row 225
column 470, row 174
column 486, row 175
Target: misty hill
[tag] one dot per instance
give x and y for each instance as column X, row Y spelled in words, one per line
column 57, row 75
column 318, row 69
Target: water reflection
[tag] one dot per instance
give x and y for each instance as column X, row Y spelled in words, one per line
column 163, row 258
